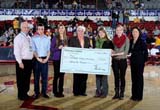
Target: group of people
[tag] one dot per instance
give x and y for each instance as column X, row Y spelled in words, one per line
column 39, row 48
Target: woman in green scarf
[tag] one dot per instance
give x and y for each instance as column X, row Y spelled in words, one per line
column 102, row 42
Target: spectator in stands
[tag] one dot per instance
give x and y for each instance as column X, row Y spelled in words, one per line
column 49, row 34
column 100, row 22
column 115, row 17
column 20, row 19
column 41, row 49
column 102, row 42
column 108, row 4
column 139, row 55
column 118, row 4
column 16, row 24
column 136, row 20
column 126, row 17
column 80, row 80
column 150, row 39
column 3, row 40
column 23, row 54
column 53, row 25
column 16, row 4
column 94, row 37
column 39, row 20
column 157, row 42
column 69, row 28
column 156, row 31
column 75, row 19
column 55, row 32
column 79, row 4
column 89, row 30
column 69, row 31
column 119, row 61
column 60, row 4
column 74, row 4
column 142, row 20
column 144, row 35
column 42, row 4
column 58, row 42
column 86, row 19
column 120, row 20
column 45, row 21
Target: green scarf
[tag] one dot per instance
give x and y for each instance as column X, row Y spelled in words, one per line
column 99, row 42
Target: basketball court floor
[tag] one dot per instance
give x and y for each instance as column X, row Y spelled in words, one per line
column 151, row 101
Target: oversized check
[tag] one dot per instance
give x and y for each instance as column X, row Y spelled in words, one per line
column 87, row 61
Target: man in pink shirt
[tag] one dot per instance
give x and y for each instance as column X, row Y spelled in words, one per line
column 23, row 55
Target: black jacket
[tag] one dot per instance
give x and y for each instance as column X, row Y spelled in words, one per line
column 139, row 52
column 74, row 42
column 107, row 45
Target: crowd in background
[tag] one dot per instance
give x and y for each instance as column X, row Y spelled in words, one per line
column 151, row 36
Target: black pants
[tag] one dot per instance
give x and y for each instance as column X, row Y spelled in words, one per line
column 58, row 80
column 137, row 81
column 23, row 78
column 119, row 69
column 79, row 84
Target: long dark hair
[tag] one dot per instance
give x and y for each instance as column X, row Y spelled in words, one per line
column 58, row 40
column 140, row 32
column 104, row 31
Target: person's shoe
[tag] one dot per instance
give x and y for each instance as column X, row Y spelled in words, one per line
column 28, row 97
column 60, row 95
column 21, row 98
column 116, row 96
column 103, row 96
column 76, row 95
column 121, row 96
column 97, row 95
column 84, row 94
column 135, row 99
column 36, row 96
column 45, row 96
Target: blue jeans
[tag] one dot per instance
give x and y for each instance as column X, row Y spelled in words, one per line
column 41, row 69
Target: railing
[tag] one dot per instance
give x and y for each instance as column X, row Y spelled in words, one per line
column 6, row 54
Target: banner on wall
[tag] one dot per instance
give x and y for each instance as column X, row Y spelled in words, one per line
column 52, row 12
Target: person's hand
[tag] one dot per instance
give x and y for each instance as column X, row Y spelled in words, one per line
column 45, row 60
column 21, row 65
column 40, row 60
column 60, row 47
column 129, row 55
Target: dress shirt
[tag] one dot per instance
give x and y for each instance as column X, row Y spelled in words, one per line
column 23, row 47
column 41, row 45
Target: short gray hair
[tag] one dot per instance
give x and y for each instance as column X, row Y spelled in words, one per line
column 23, row 23
column 81, row 28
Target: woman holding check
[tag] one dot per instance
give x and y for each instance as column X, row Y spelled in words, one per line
column 119, row 61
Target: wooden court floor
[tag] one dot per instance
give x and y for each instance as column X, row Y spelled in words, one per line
column 151, row 99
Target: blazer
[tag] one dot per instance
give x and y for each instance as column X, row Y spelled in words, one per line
column 107, row 45
column 139, row 52
column 74, row 42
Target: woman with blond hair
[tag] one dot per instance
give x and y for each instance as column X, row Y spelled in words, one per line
column 58, row 42
column 119, row 61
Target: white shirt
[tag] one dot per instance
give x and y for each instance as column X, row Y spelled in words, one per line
column 23, row 47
